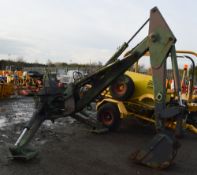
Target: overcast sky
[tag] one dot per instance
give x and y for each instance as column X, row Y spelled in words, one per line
column 85, row 31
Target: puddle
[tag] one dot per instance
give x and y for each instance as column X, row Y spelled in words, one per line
column 15, row 110
column 20, row 109
column 2, row 122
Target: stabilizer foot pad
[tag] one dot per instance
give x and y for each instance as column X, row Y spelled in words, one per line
column 22, row 153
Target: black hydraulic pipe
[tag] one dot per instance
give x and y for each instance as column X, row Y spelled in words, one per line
column 125, row 45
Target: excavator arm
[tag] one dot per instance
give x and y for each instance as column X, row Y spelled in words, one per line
column 57, row 102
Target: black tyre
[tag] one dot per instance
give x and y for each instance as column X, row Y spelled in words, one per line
column 109, row 115
column 122, row 88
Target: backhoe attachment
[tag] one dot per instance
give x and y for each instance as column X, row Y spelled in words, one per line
column 57, row 102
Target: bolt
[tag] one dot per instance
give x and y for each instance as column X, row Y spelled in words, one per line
column 153, row 37
column 159, row 96
column 170, row 39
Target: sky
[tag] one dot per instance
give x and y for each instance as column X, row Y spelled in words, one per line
column 85, row 31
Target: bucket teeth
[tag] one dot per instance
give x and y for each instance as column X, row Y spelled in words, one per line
column 159, row 153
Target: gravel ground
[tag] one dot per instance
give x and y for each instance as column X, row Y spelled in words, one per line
column 69, row 148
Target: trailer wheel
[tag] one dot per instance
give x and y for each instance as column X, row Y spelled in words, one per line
column 109, row 115
column 122, row 88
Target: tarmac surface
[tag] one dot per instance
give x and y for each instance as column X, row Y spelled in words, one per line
column 67, row 147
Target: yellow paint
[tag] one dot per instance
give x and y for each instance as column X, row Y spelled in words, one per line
column 120, row 105
column 143, row 83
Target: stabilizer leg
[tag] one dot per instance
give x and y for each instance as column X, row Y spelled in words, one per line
column 19, row 149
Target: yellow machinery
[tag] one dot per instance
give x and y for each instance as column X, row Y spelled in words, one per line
column 188, row 89
column 6, row 89
column 132, row 96
column 6, row 85
column 111, row 110
column 18, row 81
